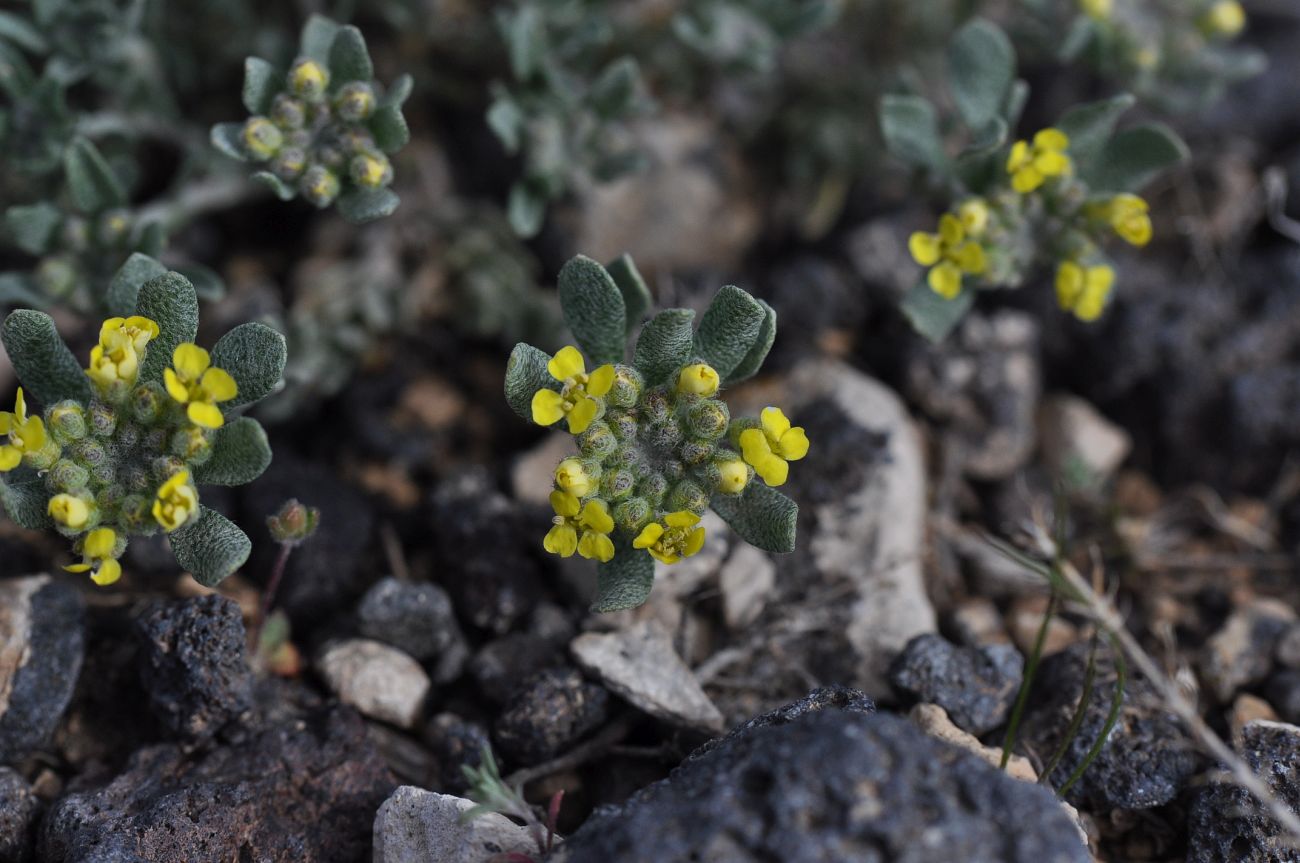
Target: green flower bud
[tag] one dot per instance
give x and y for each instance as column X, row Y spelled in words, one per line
column 88, row 452
column 155, row 440
column 320, row 186
column 103, row 419
column 628, row 384
column 696, row 452
column 673, row 469
column 134, row 514
column 289, row 164
column 687, row 495
column 371, row 170
column 617, row 484
column 113, row 228
column 191, row 444
column 331, row 156
column 708, row 419
column 294, row 523
column 598, row 441
column 45, row 457
column 288, row 113
column 104, row 473
column 299, row 139
column 262, row 138
column 308, row 79
column 66, row 422
column 653, row 486
column 56, row 277
column 355, row 101
column 354, row 142
column 623, row 424
column 126, row 438
column 67, row 476
column 657, row 406
column 663, row 436
column 632, row 514
column 628, row 457
column 135, row 478
column 148, row 403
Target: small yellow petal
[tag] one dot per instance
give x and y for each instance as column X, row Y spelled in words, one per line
column 945, row 280
column 32, row 434
column 775, row 423
column 974, row 215
column 1018, row 156
column 191, row 361
column 649, row 535
column 1052, row 164
column 595, row 515
column 969, row 258
column 583, row 415
column 10, row 457
column 175, row 388
column 754, row 446
column 109, row 572
column 924, row 248
column 1051, row 139
column 774, row 470
column 794, row 444
column 595, row 546
column 694, row 542
column 1069, row 284
column 219, row 385
column 99, row 542
column 77, row 567
column 566, row 363
column 562, row 540
column 564, row 504
column 1026, row 179
column 660, row 556
column 548, row 407
column 951, row 231
column 600, row 381
column 681, row 518
column 206, row 415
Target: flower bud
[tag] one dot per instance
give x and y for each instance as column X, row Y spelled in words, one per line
column 76, row 234
column 262, row 138
column 289, row 163
column 288, row 113
column 294, row 523
column 628, row 384
column 572, row 476
column 355, row 101
column 623, row 425
column 356, row 141
column 629, row 457
column 687, row 495
column 57, row 277
column 165, row 466
column 148, row 402
column 695, row 452
column 699, row 379
column 191, row 444
column 617, row 484
column 632, row 514
column 135, row 478
column 331, row 156
column 134, row 515
column 104, row 473
column 708, row 419
column 113, row 228
column 126, row 438
column 663, row 436
column 155, row 440
column 319, row 186
column 67, row 476
column 88, row 452
column 653, row 486
column 103, row 419
column 657, row 406
column 673, row 469
column 733, row 474
column 597, row 441
column 67, row 422
column 371, row 170
column 308, row 79
column 70, row 512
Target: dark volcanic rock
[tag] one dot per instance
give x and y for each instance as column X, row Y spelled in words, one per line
column 306, row 790
column 18, row 808
column 832, row 785
column 193, row 664
column 501, row 666
column 455, row 743
column 977, row 686
column 42, row 644
column 554, row 710
column 1227, row 825
column 1283, row 691
column 417, row 619
column 1146, row 762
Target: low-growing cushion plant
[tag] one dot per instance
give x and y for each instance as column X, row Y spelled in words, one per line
column 656, row 445
column 118, row 447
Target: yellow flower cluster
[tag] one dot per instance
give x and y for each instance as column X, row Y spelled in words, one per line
column 115, row 361
column 98, row 551
column 194, row 382
column 952, row 252
column 26, row 434
column 1031, row 165
column 1084, row 290
column 771, row 447
column 577, row 399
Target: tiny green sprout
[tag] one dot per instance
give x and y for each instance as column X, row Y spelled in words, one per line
column 656, row 445
column 493, row 794
column 124, row 443
column 325, row 129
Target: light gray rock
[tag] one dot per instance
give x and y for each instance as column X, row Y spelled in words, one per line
column 640, row 665
column 747, row 581
column 379, row 681
column 1079, row 443
column 1241, row 652
column 418, row 826
column 416, row 618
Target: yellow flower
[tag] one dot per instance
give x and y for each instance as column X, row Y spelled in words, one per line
column 733, row 476
column 1225, row 18
column 676, row 536
column 26, row 434
column 371, row 170
column 97, row 553
column 1098, row 10
column 584, row 529
column 700, row 379
column 177, row 502
column 71, row 512
column 1127, row 214
column 948, row 254
column 307, row 78
column 974, row 216
column 197, row 384
column 122, row 342
column 573, row 478
column 577, row 397
column 1084, row 291
column 1031, row 165
column 769, row 448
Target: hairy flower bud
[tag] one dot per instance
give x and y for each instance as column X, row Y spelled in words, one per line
column 695, row 452
column 653, row 486
column 135, row 478
column 623, row 425
column 308, row 79
column 732, row 474
column 617, row 484
column 56, row 276
column 708, row 419
column 165, row 466
column 663, row 436
column 262, row 138
column 699, row 379
column 127, row 437
column 597, row 441
column 67, row 476
column 191, row 444
column 687, row 495
column 294, row 522
column 148, row 402
column 88, row 452
column 288, row 113
column 319, row 186
column 133, row 513
column 113, row 228
column 70, row 512
column 103, row 419
column 289, row 163
column 355, row 101
column 632, row 514
column 572, row 476
column 370, row 170
column 67, row 422
column 628, row 384
column 657, row 406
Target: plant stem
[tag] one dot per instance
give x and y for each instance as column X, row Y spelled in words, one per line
column 272, row 587
column 1031, row 669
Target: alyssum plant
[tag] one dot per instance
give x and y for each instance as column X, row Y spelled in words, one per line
column 656, row 446
column 122, row 444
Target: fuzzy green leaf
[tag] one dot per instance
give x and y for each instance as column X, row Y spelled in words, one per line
column 389, row 129
column 317, row 38
column 254, row 355
column 614, row 93
column 636, row 296
column 207, row 284
column 240, row 453
column 1017, row 98
column 91, row 182
column 753, row 360
column 349, row 59
column 665, row 344
column 507, row 122
column 761, row 516
column 262, row 82
column 981, row 67
column 1090, row 126
column 170, row 302
column 398, row 92
column 1135, row 157
column 26, row 498
column 626, row 581
column 981, row 164
column 211, row 547
column 930, row 314
column 526, row 209
column 365, row 205
column 19, row 289
column 594, row 309
column 525, row 35
column 280, row 188
column 44, row 365
column 729, row 329
column 228, row 139
column 33, row 227
column 20, row 31
column 911, row 131
column 526, row 373
column 124, row 290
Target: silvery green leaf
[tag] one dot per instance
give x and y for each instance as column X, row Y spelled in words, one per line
column 761, row 516
column 366, row 205
column 317, row 38
column 26, row 498
column 1135, row 157
column 124, row 290
column 91, row 182
column 208, row 285
column 398, row 92
column 45, row 367
column 18, row 289
column 33, row 226
column 20, row 32
column 1091, row 125
column 526, row 209
column 729, row 329
column 930, row 314
column 389, row 129
column 211, row 547
column 625, row 581
column 981, row 67
column 262, row 82
column 228, row 139
column 349, row 60
column 240, row 453
column 594, row 310
column 282, row 190
column 526, row 373
column 753, row 360
column 636, row 295
column 255, row 356
column 666, row 343
column 169, row 301
column 911, row 131
column 614, row 92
